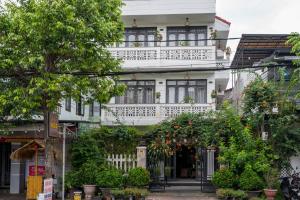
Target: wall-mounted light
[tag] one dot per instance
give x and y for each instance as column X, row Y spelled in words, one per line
column 187, row 21
column 134, row 23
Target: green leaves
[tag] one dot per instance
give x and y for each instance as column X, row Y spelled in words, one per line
column 43, row 42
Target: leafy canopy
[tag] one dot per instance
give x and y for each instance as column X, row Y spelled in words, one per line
column 44, row 43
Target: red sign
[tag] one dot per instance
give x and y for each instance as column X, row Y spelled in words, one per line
column 41, row 170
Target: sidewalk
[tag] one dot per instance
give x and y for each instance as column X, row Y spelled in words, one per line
column 12, row 197
column 182, row 193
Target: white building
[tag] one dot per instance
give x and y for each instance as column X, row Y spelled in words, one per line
column 168, row 38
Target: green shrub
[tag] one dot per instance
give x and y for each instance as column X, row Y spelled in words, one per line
column 138, row 177
column 224, row 178
column 87, row 173
column 231, row 193
column 118, row 193
column 250, row 181
column 137, row 192
column 110, row 178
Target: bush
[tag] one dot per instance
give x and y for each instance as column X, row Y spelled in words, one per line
column 110, row 178
column 138, row 177
column 87, row 173
column 224, row 178
column 117, row 193
column 250, row 181
column 231, row 194
column 136, row 192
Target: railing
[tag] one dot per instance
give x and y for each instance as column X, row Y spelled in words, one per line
column 148, row 113
column 122, row 161
column 164, row 53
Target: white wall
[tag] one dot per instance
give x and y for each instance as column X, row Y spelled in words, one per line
column 72, row 116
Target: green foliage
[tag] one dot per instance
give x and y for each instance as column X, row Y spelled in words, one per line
column 272, row 178
column 250, row 181
column 224, row 178
column 44, row 43
column 283, row 127
column 231, row 194
column 137, row 192
column 72, row 179
column 86, row 148
column 118, row 193
column 117, row 140
column 138, row 177
column 87, row 173
column 110, row 178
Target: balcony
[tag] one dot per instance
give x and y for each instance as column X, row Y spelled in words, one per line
column 147, row 114
column 133, row 57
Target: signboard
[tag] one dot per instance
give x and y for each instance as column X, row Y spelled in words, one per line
column 41, row 170
column 53, row 125
column 48, row 188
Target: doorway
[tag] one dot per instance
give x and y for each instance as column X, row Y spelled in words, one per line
column 5, row 151
column 186, row 162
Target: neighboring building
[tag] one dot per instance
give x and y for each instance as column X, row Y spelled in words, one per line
column 13, row 173
column 156, row 39
column 255, row 51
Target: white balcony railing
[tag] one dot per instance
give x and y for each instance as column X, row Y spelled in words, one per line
column 146, row 114
column 164, row 53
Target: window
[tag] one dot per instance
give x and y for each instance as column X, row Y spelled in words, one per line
column 186, row 91
column 68, row 104
column 94, row 109
column 91, row 109
column 139, row 37
column 80, row 107
column 138, row 92
column 179, row 36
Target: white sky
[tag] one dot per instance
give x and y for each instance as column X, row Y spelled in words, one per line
column 260, row 16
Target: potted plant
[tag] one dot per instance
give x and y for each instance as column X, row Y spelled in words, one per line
column 213, row 35
column 158, row 37
column 271, row 178
column 157, row 96
column 109, row 178
column 214, row 94
column 251, row 182
column 88, row 179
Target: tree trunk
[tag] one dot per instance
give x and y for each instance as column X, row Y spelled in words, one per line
column 49, row 150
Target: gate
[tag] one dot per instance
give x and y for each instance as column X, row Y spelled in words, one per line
column 206, row 165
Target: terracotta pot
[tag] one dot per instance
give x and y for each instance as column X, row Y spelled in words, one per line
column 89, row 191
column 270, row 193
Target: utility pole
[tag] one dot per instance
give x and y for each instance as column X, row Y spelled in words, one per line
column 63, row 162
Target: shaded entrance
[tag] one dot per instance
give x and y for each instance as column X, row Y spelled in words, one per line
column 186, row 162
column 5, row 150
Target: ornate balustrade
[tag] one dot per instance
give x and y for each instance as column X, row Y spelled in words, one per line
column 146, row 114
column 164, row 53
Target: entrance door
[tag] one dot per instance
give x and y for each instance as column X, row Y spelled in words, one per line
column 5, row 151
column 186, row 162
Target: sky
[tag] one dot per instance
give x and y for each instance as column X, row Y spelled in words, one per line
column 259, row 16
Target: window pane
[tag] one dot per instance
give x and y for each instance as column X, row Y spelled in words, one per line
column 191, row 93
column 151, row 40
column 149, row 95
column 201, row 41
column 192, row 82
column 171, row 82
column 171, row 96
column 131, row 83
column 131, row 39
column 130, row 96
column 181, row 94
column 96, row 109
column 141, row 39
column 140, row 95
column 201, row 94
column 181, row 38
column 192, row 38
column 181, row 82
column 173, row 38
column 149, row 82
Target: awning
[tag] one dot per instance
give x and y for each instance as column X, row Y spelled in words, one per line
column 28, row 150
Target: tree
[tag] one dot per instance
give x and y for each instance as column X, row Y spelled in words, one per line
column 52, row 49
